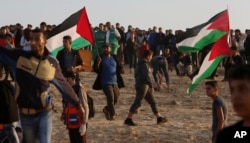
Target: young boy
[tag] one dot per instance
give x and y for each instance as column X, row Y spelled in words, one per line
column 77, row 134
column 239, row 84
column 144, row 90
column 7, row 40
column 219, row 108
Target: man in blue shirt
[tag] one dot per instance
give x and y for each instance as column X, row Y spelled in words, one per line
column 109, row 79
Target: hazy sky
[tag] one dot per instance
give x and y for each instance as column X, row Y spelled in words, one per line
column 168, row 14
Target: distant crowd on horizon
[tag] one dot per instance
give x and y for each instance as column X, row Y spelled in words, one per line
column 156, row 39
column 141, row 50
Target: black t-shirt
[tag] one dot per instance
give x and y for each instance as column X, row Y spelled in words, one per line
column 234, row 134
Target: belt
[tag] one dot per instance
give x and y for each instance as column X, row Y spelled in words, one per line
column 33, row 111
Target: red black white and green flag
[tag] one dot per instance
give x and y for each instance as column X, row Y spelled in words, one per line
column 77, row 26
column 215, row 32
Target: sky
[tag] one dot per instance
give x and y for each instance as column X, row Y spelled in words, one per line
column 144, row 14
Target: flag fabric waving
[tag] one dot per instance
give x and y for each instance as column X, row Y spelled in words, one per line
column 196, row 38
column 211, row 61
column 215, row 32
column 77, row 26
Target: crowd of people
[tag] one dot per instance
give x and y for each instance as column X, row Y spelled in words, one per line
column 24, row 56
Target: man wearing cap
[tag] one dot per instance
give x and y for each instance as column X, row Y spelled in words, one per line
column 108, row 79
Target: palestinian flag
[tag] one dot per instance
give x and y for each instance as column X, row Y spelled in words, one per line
column 214, row 32
column 77, row 26
column 211, row 61
column 196, row 38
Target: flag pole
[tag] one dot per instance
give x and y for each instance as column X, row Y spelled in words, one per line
column 97, row 51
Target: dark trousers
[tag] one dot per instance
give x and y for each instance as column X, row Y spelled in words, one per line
column 142, row 92
column 161, row 67
column 112, row 93
column 75, row 136
column 132, row 60
column 120, row 54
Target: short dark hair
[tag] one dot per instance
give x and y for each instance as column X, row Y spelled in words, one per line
column 212, row 83
column 67, row 37
column 38, row 30
column 106, row 45
column 146, row 53
column 43, row 23
column 108, row 23
column 239, row 72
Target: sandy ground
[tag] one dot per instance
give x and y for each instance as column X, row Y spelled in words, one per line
column 189, row 115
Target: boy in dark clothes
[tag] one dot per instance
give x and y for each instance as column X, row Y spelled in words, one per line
column 144, row 89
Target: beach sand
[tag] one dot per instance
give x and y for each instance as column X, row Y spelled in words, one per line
column 189, row 115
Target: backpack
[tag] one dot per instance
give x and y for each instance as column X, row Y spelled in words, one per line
column 72, row 119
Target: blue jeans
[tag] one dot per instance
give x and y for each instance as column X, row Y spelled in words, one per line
column 37, row 128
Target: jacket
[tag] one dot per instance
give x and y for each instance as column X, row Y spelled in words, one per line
column 34, row 75
column 142, row 73
column 61, row 58
column 97, row 84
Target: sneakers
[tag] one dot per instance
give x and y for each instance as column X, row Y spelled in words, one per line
column 161, row 120
column 106, row 113
column 129, row 122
